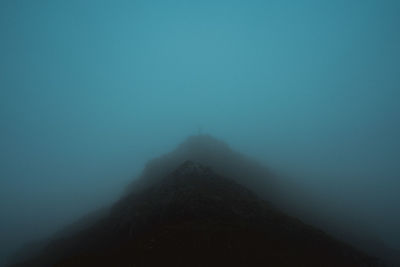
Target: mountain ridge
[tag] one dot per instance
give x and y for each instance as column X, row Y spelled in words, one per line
column 184, row 206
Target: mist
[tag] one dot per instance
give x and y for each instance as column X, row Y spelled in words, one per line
column 92, row 90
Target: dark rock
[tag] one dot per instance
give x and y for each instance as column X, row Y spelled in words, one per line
column 196, row 217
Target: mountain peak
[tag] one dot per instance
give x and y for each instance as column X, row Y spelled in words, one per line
column 196, row 217
column 206, row 150
column 197, row 207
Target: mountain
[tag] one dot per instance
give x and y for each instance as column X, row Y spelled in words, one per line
column 198, row 206
column 216, row 154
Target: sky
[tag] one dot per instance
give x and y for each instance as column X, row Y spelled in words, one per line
column 91, row 90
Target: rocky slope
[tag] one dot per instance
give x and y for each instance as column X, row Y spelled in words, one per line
column 196, row 217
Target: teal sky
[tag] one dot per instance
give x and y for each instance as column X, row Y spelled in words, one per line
column 90, row 90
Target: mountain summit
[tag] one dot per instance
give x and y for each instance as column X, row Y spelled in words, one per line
column 189, row 214
column 209, row 151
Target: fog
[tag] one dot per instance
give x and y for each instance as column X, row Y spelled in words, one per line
column 92, row 90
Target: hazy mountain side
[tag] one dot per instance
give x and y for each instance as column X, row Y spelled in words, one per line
column 289, row 195
column 281, row 193
column 340, row 221
column 195, row 217
column 84, row 222
column 33, row 248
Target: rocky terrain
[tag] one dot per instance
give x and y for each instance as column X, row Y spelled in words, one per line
column 197, row 206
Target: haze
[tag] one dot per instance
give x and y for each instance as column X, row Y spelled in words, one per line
column 91, row 90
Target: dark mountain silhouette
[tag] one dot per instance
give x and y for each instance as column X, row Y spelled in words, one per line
column 216, row 154
column 197, row 206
